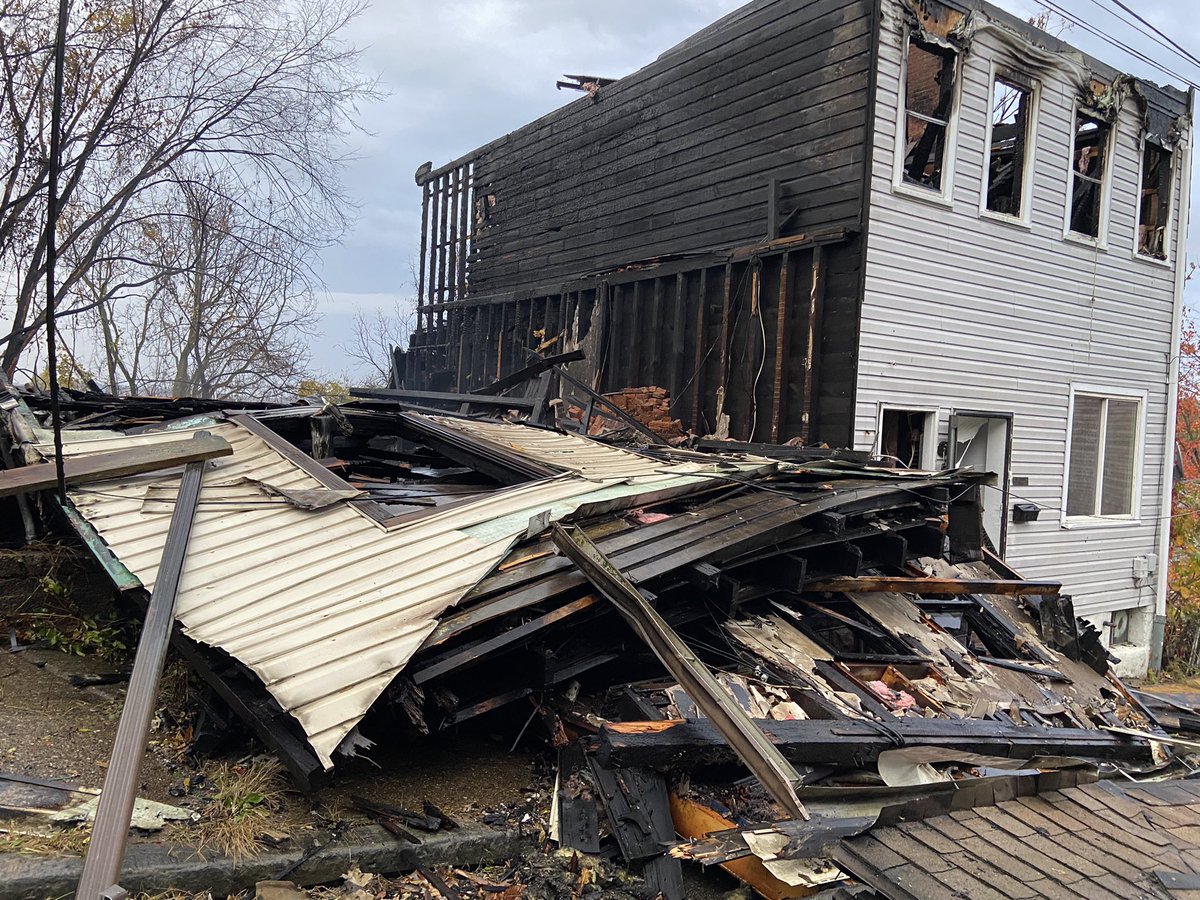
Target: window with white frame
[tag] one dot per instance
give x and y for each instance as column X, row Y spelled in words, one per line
column 1154, row 204
column 1089, row 170
column 1009, row 141
column 1104, row 456
column 928, row 107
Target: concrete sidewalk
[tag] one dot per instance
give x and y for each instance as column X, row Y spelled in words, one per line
column 154, row 867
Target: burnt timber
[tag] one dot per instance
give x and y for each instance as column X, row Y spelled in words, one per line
column 698, row 226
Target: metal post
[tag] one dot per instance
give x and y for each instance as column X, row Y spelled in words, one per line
column 60, row 41
column 110, row 831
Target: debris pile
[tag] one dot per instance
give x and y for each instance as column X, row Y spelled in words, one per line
column 649, row 405
column 760, row 650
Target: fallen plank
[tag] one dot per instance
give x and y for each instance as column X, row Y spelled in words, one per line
column 531, row 371
column 875, row 584
column 753, row 749
column 106, row 851
column 695, row 820
column 818, row 741
column 116, row 464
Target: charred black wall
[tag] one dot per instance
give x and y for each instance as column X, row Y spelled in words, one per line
column 531, row 241
column 679, row 155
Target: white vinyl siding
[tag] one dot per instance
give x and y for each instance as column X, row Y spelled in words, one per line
column 968, row 311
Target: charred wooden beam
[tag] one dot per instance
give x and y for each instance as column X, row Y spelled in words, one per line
column 528, row 373
column 940, row 586
column 465, row 656
column 758, row 754
column 854, row 743
column 432, row 398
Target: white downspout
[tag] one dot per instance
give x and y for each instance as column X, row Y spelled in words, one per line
column 1168, row 476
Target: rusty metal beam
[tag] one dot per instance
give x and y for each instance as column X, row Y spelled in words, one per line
column 753, row 747
column 110, row 832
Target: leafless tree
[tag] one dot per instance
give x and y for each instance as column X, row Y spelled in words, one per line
column 243, row 100
column 224, row 311
column 374, row 335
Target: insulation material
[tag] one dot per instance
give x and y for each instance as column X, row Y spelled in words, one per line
column 325, row 605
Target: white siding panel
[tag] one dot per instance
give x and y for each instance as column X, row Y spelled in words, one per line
column 964, row 311
column 327, row 606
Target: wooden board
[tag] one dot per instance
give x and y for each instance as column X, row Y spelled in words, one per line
column 942, row 586
column 114, row 464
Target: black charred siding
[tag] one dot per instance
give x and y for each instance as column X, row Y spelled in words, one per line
column 677, row 157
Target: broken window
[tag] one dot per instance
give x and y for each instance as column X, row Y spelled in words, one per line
column 1012, row 105
column 928, row 104
column 1155, row 201
column 905, row 437
column 1104, row 443
column 1089, row 157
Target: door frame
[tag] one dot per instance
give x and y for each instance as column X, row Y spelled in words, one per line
column 1006, row 475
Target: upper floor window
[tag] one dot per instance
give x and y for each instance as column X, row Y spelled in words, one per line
column 1089, row 169
column 1009, row 146
column 928, row 106
column 1103, row 462
column 1155, row 203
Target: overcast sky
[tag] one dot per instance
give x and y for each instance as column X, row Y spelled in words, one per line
column 459, row 73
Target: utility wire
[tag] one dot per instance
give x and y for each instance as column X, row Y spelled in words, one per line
column 60, row 42
column 1186, row 54
column 1114, row 42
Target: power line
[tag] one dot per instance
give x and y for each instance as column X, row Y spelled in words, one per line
column 1186, row 54
column 1114, row 42
column 1148, row 33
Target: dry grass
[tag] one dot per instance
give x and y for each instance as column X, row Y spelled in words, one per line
column 24, row 837
column 235, row 814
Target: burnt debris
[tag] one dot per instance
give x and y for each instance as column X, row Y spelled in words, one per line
column 743, row 655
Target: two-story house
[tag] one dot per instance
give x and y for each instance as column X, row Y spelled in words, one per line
column 925, row 229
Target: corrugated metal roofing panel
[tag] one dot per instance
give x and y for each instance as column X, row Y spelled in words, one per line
column 327, row 606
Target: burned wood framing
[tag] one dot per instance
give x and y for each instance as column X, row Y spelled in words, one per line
column 639, row 326
column 857, row 742
column 758, row 754
column 932, row 586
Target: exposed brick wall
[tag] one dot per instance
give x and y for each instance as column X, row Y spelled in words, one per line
column 649, row 405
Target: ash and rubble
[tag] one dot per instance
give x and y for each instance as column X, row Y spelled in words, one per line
column 373, row 573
